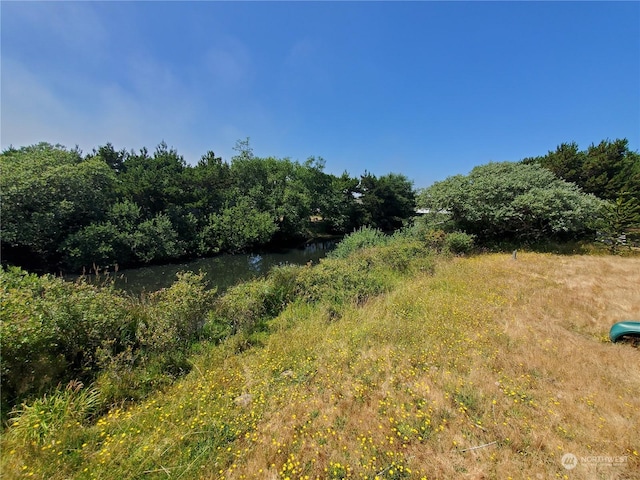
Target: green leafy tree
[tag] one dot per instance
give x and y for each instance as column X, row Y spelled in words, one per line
column 108, row 154
column 104, row 244
column 236, row 228
column 207, row 184
column 49, row 192
column 339, row 208
column 111, row 207
column 605, row 170
column 619, row 218
column 98, row 245
column 386, row 202
column 153, row 182
column 155, row 240
column 284, row 189
column 303, row 187
column 187, row 225
column 512, row 201
column 566, row 162
column 125, row 215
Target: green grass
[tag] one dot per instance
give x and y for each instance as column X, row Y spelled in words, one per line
column 436, row 358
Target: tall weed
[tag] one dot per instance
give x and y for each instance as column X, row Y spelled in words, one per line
column 36, row 421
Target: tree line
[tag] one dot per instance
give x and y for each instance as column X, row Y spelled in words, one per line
column 62, row 210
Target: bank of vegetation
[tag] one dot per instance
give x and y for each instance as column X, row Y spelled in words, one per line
column 393, row 357
column 65, row 211
column 383, row 362
column 55, row 332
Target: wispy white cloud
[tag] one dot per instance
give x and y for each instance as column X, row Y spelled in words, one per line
column 130, row 97
column 132, row 100
column 301, row 51
column 30, row 111
column 34, row 110
column 77, row 26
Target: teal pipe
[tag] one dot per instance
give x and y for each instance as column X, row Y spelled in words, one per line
column 627, row 328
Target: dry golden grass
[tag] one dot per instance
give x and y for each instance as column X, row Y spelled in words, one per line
column 491, row 368
column 489, row 350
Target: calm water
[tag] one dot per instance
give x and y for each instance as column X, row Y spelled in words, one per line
column 222, row 271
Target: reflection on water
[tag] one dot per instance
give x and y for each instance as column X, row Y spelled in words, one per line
column 222, row 271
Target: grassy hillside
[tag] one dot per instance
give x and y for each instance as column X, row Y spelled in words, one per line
column 488, row 368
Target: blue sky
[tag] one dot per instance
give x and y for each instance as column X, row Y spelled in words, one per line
column 426, row 89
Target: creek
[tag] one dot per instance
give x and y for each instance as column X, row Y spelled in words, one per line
column 222, row 271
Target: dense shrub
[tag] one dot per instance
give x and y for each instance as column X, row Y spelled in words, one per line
column 53, row 332
column 242, row 307
column 334, row 281
column 236, row 228
column 99, row 244
column 361, row 238
column 437, row 239
column 337, row 282
column 173, row 317
column 366, row 273
column 459, row 242
column 169, row 321
column 283, row 284
column 513, row 201
column 155, row 240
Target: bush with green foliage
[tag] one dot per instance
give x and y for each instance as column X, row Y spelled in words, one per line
column 459, row 243
column 243, row 307
column 172, row 318
column 364, row 237
column 247, row 307
column 236, row 228
column 48, row 193
column 101, row 245
column 337, row 282
column 156, row 240
column 513, row 201
column 436, row 239
column 361, row 273
column 53, row 332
